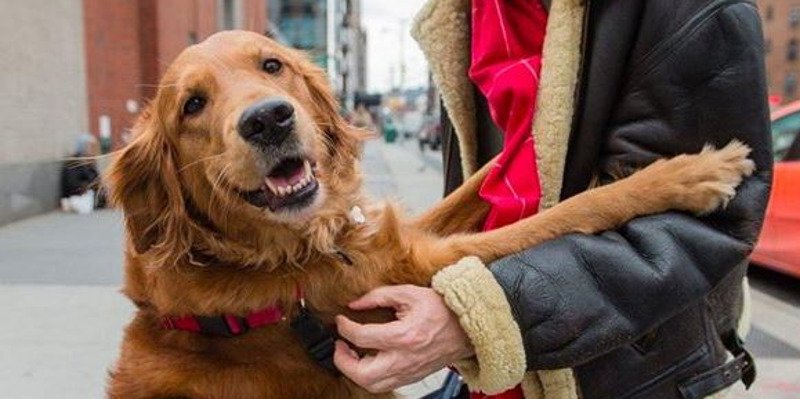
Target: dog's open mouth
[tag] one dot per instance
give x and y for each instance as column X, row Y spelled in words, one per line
column 289, row 185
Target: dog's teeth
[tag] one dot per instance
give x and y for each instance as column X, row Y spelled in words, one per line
column 307, row 167
column 281, row 191
column 271, row 186
column 289, row 189
column 298, row 186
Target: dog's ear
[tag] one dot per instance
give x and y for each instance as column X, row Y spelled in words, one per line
column 143, row 181
column 343, row 139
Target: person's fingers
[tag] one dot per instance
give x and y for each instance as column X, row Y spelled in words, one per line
column 393, row 296
column 388, row 371
column 345, row 359
column 369, row 336
column 367, row 372
column 377, row 374
column 385, row 385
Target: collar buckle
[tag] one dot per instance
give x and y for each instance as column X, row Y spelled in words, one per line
column 223, row 326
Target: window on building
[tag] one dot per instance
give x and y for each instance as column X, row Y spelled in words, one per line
column 192, row 38
column 794, row 17
column 791, row 50
column 790, row 85
column 768, row 13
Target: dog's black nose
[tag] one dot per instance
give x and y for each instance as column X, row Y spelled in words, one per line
column 268, row 121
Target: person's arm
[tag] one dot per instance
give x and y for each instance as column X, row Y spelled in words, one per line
column 581, row 296
column 570, row 300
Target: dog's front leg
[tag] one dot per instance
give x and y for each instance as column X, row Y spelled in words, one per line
column 460, row 212
column 696, row 183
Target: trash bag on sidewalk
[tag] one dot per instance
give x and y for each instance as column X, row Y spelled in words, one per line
column 81, row 204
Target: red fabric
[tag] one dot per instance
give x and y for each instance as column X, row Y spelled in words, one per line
column 259, row 318
column 270, row 315
column 507, row 40
column 185, row 323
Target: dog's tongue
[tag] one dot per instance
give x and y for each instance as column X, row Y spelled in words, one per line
column 290, row 180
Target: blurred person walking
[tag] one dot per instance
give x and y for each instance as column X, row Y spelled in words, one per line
column 571, row 93
column 80, row 178
column 362, row 118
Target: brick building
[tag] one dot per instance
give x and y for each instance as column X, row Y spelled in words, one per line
column 129, row 43
column 781, row 21
column 70, row 67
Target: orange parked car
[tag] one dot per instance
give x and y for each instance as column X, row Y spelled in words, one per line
column 778, row 246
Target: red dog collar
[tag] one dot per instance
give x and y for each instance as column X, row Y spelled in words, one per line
column 317, row 338
column 228, row 325
column 224, row 325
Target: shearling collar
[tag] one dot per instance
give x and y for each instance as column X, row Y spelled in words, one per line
column 442, row 29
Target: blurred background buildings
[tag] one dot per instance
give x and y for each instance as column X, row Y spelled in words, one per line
column 781, row 23
column 336, row 40
column 89, row 66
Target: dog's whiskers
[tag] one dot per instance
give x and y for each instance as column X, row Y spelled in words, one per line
column 224, row 202
column 199, row 161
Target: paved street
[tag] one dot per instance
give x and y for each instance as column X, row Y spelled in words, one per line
column 62, row 315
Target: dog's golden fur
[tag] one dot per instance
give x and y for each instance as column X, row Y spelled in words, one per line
column 196, row 247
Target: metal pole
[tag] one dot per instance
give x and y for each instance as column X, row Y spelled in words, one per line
column 330, row 51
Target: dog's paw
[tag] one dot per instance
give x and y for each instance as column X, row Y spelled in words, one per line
column 708, row 180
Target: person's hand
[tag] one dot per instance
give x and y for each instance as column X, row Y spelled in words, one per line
column 425, row 338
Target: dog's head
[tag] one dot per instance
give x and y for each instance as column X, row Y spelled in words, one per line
column 242, row 139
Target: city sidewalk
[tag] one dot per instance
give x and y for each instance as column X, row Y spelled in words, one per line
column 62, row 314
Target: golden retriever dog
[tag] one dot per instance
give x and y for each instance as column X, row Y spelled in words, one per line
column 238, row 193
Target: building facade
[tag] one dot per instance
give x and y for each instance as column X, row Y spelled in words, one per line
column 43, row 100
column 129, row 44
column 351, row 52
column 70, row 67
column 781, row 22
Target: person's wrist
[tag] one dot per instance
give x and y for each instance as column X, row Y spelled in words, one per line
column 468, row 352
column 471, row 292
column 465, row 349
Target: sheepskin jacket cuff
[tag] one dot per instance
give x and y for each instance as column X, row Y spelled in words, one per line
column 472, row 293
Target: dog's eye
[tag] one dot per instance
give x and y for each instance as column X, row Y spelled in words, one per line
column 272, row 66
column 194, row 105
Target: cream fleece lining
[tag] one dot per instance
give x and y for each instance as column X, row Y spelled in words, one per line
column 442, row 30
column 552, row 123
column 471, row 292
